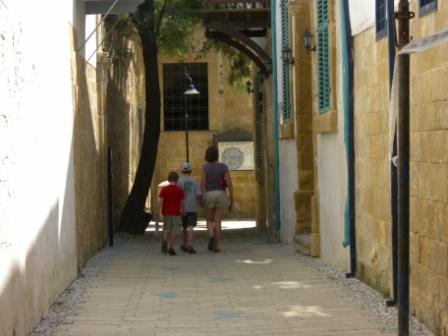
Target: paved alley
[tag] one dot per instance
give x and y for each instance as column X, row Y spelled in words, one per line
column 251, row 288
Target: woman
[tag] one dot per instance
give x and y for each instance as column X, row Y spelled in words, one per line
column 215, row 179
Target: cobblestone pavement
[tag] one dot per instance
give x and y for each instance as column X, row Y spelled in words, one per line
column 252, row 287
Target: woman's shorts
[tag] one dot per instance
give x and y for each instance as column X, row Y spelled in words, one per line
column 215, row 199
column 172, row 223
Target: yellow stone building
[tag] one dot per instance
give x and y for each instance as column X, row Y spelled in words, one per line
column 320, row 192
column 428, row 167
column 219, row 110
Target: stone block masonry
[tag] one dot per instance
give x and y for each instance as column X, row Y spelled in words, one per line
column 429, row 169
column 229, row 109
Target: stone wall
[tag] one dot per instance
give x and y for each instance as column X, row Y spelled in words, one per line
column 299, row 170
column 229, row 109
column 372, row 164
column 429, row 169
column 90, row 159
column 125, row 109
column 429, row 175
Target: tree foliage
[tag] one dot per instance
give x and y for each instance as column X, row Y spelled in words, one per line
column 240, row 64
column 174, row 21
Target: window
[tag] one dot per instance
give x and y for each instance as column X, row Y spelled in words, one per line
column 176, row 104
column 258, row 122
column 286, row 106
column 323, row 57
column 380, row 18
column 427, row 6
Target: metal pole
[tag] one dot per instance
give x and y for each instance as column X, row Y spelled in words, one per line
column 403, row 15
column 97, row 26
column 391, row 44
column 186, row 136
column 102, row 41
column 109, row 196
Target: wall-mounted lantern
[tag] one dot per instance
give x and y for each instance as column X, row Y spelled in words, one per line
column 287, row 55
column 308, row 40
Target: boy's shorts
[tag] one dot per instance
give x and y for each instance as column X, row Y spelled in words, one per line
column 172, row 223
column 189, row 220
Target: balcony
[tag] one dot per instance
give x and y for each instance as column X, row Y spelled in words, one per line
column 111, row 6
column 251, row 16
column 236, row 22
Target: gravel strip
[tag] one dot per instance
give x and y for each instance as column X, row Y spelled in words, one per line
column 357, row 291
column 73, row 294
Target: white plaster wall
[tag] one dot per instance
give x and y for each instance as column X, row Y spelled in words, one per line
column 288, row 152
column 332, row 193
column 78, row 20
column 37, row 220
column 332, row 179
column 288, row 186
column 362, row 14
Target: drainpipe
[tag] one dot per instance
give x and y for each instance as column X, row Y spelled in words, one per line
column 348, row 107
column 403, row 133
column 393, row 167
column 277, row 224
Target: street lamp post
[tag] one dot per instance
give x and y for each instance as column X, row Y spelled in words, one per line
column 190, row 91
column 186, row 133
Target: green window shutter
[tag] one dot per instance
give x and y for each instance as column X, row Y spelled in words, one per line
column 323, row 57
column 380, row 19
column 286, row 107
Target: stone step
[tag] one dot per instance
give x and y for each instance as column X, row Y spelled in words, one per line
column 301, row 243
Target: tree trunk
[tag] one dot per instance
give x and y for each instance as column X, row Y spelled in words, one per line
column 134, row 220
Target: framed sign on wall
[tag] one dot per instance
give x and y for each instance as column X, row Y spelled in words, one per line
column 237, row 155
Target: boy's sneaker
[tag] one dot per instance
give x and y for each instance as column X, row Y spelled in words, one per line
column 172, row 252
column 184, row 248
column 210, row 244
column 164, row 247
column 191, row 250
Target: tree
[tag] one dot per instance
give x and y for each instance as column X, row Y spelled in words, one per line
column 163, row 25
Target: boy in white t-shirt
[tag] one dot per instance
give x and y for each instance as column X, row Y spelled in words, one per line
column 192, row 193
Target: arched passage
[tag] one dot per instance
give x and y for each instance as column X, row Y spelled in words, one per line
column 236, row 23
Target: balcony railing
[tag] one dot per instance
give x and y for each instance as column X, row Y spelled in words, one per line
column 238, row 14
column 214, row 5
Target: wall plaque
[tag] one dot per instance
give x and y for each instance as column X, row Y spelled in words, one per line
column 237, row 155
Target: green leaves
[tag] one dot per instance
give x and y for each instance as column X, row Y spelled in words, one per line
column 175, row 22
column 240, row 64
column 172, row 23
